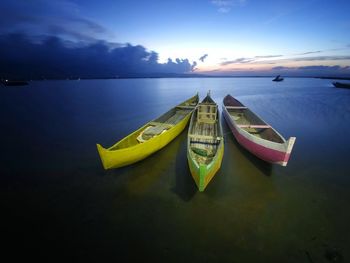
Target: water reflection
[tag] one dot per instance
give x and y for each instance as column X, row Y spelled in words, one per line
column 185, row 186
column 251, row 211
column 264, row 167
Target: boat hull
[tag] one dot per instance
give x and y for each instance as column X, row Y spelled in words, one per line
column 203, row 170
column 272, row 152
column 115, row 158
column 202, row 174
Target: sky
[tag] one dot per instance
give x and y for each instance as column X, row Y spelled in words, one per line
column 213, row 37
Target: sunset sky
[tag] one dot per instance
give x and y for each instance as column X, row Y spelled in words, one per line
column 222, row 37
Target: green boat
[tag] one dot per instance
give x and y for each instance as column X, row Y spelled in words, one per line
column 205, row 142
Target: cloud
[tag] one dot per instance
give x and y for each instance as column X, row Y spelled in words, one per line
column 316, row 70
column 324, row 50
column 250, row 60
column 280, row 68
column 47, row 17
column 269, row 56
column 202, row 58
column 256, row 60
column 321, row 67
column 321, row 58
column 303, row 71
column 225, row 6
column 237, row 61
column 51, row 57
column 310, row 52
column 73, row 34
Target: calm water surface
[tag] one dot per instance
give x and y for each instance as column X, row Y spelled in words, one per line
column 57, row 201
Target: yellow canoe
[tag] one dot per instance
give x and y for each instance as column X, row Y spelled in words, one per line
column 149, row 138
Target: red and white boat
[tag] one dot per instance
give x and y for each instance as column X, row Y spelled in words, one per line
column 256, row 135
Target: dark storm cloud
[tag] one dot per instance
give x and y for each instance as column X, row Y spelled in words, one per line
column 61, row 18
column 202, row 58
column 9, row 18
column 57, row 30
column 93, row 26
column 51, row 58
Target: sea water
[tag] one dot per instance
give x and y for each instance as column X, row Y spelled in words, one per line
column 58, row 201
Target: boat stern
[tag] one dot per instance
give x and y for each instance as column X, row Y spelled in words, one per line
column 202, row 174
column 290, row 144
column 103, row 156
column 199, row 175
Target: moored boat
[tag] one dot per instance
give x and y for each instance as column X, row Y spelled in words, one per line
column 341, row 85
column 7, row 82
column 205, row 143
column 278, row 78
column 256, row 135
column 149, row 138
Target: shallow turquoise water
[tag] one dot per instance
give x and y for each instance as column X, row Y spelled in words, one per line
column 57, row 200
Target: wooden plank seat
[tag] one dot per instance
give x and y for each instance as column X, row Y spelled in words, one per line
column 201, row 137
column 154, row 128
column 157, row 128
column 207, row 113
column 210, row 140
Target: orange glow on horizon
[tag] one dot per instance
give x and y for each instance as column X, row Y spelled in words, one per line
column 267, row 65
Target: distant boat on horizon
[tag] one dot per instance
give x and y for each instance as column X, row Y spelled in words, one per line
column 341, row 85
column 7, row 82
column 278, row 78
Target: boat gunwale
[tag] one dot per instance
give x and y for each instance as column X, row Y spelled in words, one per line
column 139, row 145
column 248, row 133
column 259, row 138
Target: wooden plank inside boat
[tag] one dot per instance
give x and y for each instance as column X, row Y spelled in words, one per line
column 203, row 137
column 157, row 128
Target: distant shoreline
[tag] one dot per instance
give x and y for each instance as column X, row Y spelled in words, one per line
column 155, row 76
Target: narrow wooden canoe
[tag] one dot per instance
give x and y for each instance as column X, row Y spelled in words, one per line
column 149, row 138
column 256, row 135
column 205, row 142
